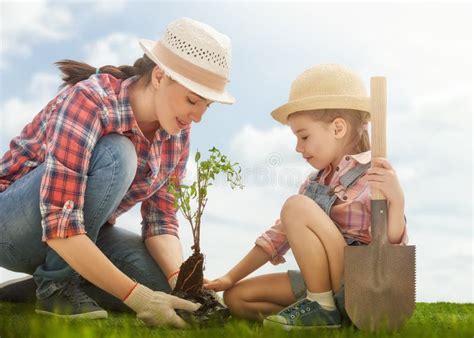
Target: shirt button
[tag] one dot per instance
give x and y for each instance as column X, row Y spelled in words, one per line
column 347, row 158
column 337, row 168
column 344, row 198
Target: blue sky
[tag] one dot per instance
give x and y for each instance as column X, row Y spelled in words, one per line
column 424, row 50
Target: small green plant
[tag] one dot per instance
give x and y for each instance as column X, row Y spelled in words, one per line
column 192, row 200
column 206, row 173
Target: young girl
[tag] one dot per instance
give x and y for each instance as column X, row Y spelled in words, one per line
column 328, row 112
column 110, row 139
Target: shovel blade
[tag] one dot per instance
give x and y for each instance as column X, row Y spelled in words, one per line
column 379, row 286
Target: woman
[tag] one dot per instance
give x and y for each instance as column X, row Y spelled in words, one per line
column 110, row 139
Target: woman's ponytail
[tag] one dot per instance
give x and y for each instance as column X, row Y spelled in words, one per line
column 75, row 71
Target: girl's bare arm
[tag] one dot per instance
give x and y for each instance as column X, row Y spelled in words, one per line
column 251, row 262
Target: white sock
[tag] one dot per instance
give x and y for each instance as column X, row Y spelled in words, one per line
column 325, row 299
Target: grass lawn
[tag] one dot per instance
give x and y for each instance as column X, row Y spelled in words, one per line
column 429, row 320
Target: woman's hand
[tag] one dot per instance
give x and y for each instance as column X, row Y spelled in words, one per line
column 382, row 176
column 156, row 308
column 220, row 284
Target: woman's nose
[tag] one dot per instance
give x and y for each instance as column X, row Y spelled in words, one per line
column 196, row 115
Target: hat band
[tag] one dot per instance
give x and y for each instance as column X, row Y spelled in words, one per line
column 188, row 69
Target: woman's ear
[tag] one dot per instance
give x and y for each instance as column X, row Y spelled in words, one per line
column 340, row 127
column 157, row 77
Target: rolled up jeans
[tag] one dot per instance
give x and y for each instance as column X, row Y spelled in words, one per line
column 111, row 171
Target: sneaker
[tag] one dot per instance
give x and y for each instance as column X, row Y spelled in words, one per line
column 304, row 314
column 19, row 290
column 339, row 298
column 70, row 302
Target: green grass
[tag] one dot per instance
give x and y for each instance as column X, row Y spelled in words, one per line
column 429, row 320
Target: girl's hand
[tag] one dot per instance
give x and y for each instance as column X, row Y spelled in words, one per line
column 382, row 176
column 220, row 284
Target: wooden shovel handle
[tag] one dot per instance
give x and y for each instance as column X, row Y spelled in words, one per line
column 378, row 112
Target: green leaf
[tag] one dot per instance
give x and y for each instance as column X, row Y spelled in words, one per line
column 193, row 190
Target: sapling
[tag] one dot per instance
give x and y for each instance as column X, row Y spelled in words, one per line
column 191, row 200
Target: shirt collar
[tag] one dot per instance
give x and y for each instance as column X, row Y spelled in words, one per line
column 345, row 164
column 362, row 158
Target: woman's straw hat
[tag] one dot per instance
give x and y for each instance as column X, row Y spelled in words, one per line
column 326, row 86
column 196, row 56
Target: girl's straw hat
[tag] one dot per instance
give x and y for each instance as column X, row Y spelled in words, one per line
column 327, row 86
column 196, row 56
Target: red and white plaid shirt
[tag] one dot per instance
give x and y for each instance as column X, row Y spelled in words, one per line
column 64, row 134
column 352, row 214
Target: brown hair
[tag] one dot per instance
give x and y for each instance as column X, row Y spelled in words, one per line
column 358, row 139
column 75, row 71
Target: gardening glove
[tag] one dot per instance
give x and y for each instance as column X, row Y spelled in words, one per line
column 156, row 308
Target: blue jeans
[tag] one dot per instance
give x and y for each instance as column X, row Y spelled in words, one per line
column 111, row 171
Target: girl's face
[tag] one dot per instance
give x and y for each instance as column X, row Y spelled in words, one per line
column 318, row 142
column 176, row 107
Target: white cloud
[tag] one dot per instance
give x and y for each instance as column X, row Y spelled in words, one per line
column 443, row 258
column 115, row 49
column 430, row 143
column 26, row 24
column 271, row 147
column 42, row 88
column 104, row 7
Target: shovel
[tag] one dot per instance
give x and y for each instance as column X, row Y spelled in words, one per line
column 380, row 277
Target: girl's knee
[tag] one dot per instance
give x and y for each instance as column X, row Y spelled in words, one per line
column 295, row 209
column 293, row 206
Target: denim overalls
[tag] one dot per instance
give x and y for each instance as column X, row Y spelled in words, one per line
column 325, row 197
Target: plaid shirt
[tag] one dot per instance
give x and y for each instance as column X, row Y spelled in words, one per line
column 63, row 136
column 352, row 214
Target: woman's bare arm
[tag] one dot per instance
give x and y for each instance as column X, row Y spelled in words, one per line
column 87, row 260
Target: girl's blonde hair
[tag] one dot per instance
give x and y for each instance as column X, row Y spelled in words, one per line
column 357, row 139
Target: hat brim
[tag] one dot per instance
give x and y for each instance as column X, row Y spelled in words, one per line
column 321, row 102
column 199, row 89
